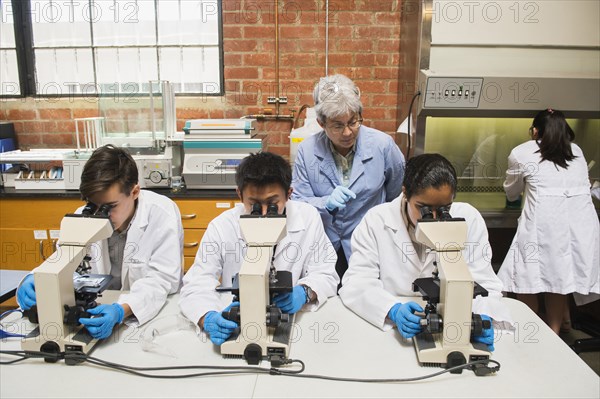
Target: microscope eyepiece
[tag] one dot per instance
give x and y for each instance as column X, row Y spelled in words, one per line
column 272, row 209
column 89, row 209
column 104, row 210
column 443, row 213
column 426, row 212
column 256, row 209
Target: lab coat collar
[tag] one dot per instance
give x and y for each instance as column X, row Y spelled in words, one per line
column 135, row 232
column 140, row 218
column 364, row 147
column 327, row 165
column 363, row 153
column 393, row 221
column 295, row 221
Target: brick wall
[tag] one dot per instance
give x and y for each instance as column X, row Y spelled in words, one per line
column 365, row 44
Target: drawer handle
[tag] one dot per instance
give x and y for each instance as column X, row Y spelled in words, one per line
column 190, row 244
column 42, row 250
column 188, row 217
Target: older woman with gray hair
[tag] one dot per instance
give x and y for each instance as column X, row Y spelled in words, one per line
column 347, row 168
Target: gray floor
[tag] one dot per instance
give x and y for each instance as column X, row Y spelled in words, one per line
column 591, row 358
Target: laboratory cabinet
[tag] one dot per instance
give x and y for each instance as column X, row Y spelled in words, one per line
column 195, row 216
column 29, row 227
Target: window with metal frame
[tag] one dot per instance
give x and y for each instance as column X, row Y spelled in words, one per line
column 110, row 47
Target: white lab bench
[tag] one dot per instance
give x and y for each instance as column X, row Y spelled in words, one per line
column 333, row 341
column 9, row 281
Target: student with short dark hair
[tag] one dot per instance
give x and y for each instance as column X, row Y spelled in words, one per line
column 263, row 178
column 145, row 253
column 557, row 245
column 387, row 258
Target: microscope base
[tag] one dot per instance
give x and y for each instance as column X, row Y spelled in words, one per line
column 50, row 339
column 431, row 352
column 275, row 345
column 77, row 340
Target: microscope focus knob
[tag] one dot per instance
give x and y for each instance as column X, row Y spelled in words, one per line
column 433, row 323
column 478, row 324
column 275, row 316
column 232, row 314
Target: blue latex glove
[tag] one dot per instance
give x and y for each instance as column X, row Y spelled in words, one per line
column 487, row 335
column 291, row 302
column 107, row 316
column 338, row 198
column 26, row 293
column 405, row 319
column 218, row 327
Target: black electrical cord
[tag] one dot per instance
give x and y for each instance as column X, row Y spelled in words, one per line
column 226, row 370
column 15, row 361
column 480, row 367
column 409, row 118
column 79, row 357
column 24, row 355
column 469, row 365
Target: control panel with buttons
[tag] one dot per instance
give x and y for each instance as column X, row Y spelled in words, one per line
column 448, row 92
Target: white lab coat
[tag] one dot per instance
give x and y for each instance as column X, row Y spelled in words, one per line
column 153, row 256
column 305, row 251
column 557, row 244
column 384, row 263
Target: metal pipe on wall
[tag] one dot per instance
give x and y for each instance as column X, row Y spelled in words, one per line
column 277, row 116
column 287, row 117
column 326, row 37
column 277, row 57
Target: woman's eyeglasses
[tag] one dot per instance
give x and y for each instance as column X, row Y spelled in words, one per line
column 339, row 128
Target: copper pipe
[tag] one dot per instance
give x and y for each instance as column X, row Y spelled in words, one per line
column 326, row 38
column 277, row 57
column 289, row 117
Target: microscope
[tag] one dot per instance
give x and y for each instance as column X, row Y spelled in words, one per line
column 59, row 304
column 264, row 331
column 449, row 323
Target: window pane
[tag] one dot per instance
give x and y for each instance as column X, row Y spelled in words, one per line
column 60, row 23
column 7, row 28
column 188, row 22
column 63, row 71
column 124, row 22
column 126, row 70
column 122, row 36
column 9, row 73
column 191, row 69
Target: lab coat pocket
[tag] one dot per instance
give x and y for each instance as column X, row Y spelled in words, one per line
column 136, row 269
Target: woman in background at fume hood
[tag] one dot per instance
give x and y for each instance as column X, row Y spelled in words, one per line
column 556, row 248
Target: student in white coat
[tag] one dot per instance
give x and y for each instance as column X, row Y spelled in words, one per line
column 556, row 248
column 346, row 169
column 145, row 253
column 264, row 179
column 386, row 258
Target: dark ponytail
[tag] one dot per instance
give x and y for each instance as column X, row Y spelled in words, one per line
column 554, row 137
